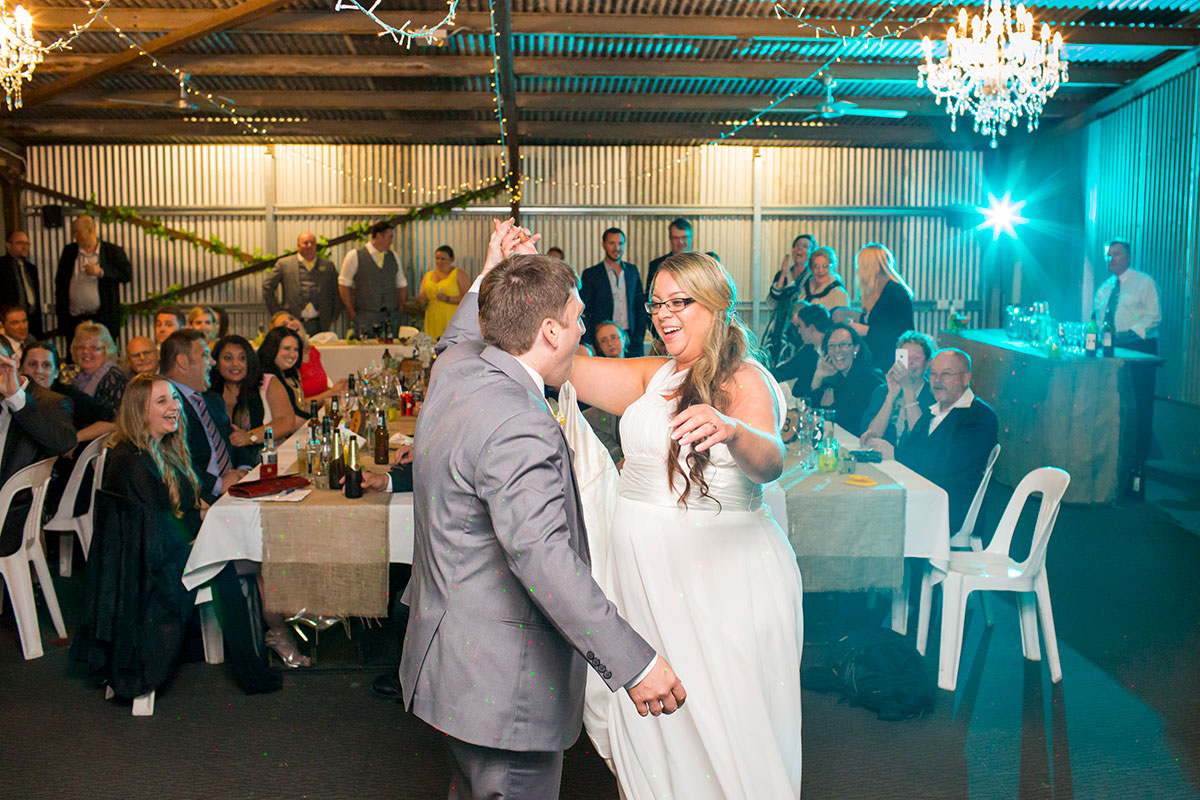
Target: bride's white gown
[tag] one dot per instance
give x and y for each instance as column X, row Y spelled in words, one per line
column 717, row 592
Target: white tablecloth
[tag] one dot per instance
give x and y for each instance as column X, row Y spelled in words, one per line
column 232, row 528
column 340, row 359
column 926, row 510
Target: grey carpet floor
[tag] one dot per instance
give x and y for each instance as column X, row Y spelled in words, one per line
column 1124, row 723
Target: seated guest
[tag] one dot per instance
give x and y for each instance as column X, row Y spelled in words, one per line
column 141, row 356
column 40, row 364
column 95, row 353
column 167, row 321
column 844, row 378
column 316, row 384
column 887, row 303
column 253, row 401
column 203, row 319
column 16, row 331
column 35, row 424
column 186, row 362
column 824, row 286
column 279, row 355
column 135, row 608
column 557, row 252
column 952, row 440
column 610, row 341
column 811, row 322
column 895, row 407
column 222, row 321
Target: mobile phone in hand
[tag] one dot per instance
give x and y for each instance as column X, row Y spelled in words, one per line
column 902, row 357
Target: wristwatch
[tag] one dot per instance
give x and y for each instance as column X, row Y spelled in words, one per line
column 254, row 438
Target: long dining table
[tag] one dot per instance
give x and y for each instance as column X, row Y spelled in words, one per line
column 850, row 537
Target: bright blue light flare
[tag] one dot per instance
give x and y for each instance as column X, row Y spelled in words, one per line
column 1001, row 216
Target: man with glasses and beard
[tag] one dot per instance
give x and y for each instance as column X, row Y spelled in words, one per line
column 952, row 440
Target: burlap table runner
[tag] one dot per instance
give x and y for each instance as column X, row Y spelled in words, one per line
column 327, row 554
column 846, row 537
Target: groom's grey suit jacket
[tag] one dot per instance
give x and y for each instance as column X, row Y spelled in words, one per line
column 505, row 617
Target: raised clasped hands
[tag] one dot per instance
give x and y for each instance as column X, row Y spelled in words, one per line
column 508, row 238
column 660, row 692
column 702, row 427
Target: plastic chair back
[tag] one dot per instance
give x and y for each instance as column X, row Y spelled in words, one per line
column 1051, row 483
column 963, row 536
column 64, row 517
column 34, row 477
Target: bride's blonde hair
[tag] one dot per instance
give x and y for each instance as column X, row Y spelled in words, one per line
column 726, row 344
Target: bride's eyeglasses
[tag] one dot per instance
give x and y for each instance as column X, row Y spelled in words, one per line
column 674, row 305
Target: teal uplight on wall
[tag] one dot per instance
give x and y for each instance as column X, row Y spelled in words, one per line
column 1001, row 216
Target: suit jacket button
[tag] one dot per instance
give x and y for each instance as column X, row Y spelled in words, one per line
column 607, row 675
column 590, row 655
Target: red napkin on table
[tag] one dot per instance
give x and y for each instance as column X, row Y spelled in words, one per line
column 267, row 486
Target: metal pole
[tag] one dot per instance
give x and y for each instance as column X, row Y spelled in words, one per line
column 756, row 241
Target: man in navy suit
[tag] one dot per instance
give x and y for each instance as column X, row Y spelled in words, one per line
column 951, row 442
column 612, row 290
column 185, row 361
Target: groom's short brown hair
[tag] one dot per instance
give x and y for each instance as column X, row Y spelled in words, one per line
column 521, row 292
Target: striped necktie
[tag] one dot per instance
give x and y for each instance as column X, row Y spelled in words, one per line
column 214, row 436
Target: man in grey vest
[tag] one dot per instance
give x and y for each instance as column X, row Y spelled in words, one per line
column 371, row 283
column 309, row 282
column 505, row 617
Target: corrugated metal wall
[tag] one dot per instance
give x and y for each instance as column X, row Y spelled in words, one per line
column 257, row 198
column 1142, row 179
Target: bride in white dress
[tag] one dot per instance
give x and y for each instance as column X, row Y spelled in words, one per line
column 693, row 559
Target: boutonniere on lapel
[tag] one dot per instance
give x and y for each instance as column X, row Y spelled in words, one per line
column 554, row 411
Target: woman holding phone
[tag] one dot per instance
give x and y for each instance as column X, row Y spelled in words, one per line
column 896, row 406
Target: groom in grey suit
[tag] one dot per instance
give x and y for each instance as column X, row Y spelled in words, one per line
column 505, row 617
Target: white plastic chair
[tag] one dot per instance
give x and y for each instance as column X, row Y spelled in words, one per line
column 15, row 568
column 64, row 518
column 964, row 538
column 994, row 570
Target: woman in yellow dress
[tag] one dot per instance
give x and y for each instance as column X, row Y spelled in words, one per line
column 442, row 288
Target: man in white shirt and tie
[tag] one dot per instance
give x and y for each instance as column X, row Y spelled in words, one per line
column 1132, row 298
column 372, row 285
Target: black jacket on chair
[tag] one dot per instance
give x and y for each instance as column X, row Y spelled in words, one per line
column 117, row 270
column 596, row 294
column 955, row 455
column 10, row 294
column 40, row 430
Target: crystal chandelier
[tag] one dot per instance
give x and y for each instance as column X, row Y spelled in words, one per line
column 20, row 53
column 995, row 70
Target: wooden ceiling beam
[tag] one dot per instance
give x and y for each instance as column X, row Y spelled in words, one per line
column 211, row 23
column 405, row 64
column 459, row 131
column 540, row 101
column 347, row 22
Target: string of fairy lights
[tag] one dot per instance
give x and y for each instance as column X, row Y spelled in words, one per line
column 403, row 35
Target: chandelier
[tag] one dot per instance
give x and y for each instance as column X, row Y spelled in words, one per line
column 995, row 70
column 20, row 53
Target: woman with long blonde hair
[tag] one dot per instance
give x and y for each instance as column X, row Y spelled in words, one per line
column 886, row 301
column 693, row 558
column 147, row 514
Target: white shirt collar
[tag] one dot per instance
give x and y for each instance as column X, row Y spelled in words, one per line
column 964, row 401
column 533, row 373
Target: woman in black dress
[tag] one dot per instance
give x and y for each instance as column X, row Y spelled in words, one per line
column 844, row 379
column 887, row 304
column 147, row 514
column 279, row 355
column 778, row 340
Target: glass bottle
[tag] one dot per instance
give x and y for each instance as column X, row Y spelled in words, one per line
column 353, row 478
column 381, row 440
column 270, row 456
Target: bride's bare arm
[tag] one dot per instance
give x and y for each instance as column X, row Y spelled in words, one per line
column 612, row 384
column 750, row 429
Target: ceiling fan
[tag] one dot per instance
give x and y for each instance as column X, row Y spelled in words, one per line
column 184, row 103
column 832, row 109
